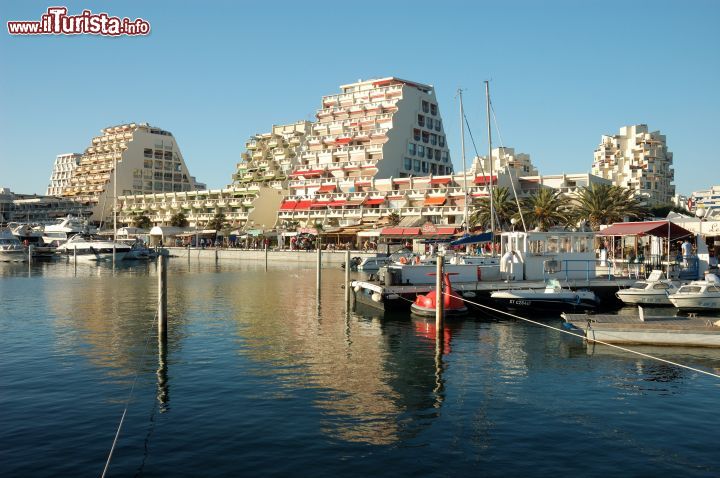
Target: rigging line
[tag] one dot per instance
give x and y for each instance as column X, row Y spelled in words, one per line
column 482, row 169
column 585, row 338
column 509, row 169
column 127, row 402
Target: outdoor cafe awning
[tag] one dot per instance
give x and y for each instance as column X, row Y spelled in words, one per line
column 647, row 228
column 477, row 238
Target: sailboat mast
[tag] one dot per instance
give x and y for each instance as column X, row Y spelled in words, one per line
column 462, row 152
column 492, row 206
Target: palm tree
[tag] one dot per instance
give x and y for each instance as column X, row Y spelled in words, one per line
column 504, row 205
column 605, row 204
column 545, row 208
column 218, row 222
column 393, row 218
column 179, row 220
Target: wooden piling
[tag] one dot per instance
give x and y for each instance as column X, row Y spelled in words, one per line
column 319, row 262
column 439, row 297
column 30, row 248
column 162, row 295
column 347, row 278
column 266, row 256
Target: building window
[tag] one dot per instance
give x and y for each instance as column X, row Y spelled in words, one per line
column 433, row 109
column 158, row 154
column 425, row 107
column 168, row 156
column 441, row 140
column 416, row 163
column 438, row 125
column 433, row 168
column 158, row 164
column 430, row 153
column 429, row 123
column 148, row 153
column 420, row 150
column 411, row 148
column 425, row 136
column 408, row 164
column 441, row 169
column 433, row 139
column 437, row 155
column 148, row 163
column 416, row 134
column 421, row 120
column 425, row 167
column 445, row 156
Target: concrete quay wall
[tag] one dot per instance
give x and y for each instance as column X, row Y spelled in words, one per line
column 286, row 257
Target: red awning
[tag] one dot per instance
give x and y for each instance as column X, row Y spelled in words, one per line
column 439, row 180
column 288, row 205
column 303, row 205
column 484, row 179
column 326, row 188
column 339, row 203
column 651, row 228
column 374, row 201
column 319, row 204
column 446, row 231
column 343, row 140
column 362, row 183
column 300, row 172
column 434, row 201
column 400, row 231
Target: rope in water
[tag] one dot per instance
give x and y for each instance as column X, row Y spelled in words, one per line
column 127, row 402
column 548, row 326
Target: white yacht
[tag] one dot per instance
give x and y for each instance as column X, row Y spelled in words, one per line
column 11, row 249
column 65, row 228
column 90, row 248
column 371, row 264
column 652, row 291
column 698, row 294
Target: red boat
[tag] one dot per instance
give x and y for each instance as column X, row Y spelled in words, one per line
column 452, row 305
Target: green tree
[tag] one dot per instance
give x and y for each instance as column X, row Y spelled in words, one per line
column 218, row 222
column 393, row 218
column 604, row 204
column 179, row 220
column 545, row 208
column 141, row 221
column 505, row 209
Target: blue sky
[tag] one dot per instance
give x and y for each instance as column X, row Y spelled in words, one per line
column 562, row 74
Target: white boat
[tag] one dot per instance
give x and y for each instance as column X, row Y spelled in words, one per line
column 89, row 248
column 11, row 249
column 646, row 330
column 698, row 294
column 552, row 298
column 65, row 228
column 652, row 291
column 139, row 252
column 372, row 264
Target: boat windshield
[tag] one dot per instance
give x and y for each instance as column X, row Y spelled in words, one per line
column 639, row 285
column 689, row 289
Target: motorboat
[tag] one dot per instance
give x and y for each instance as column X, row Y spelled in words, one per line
column 30, row 235
column 698, row 294
column 372, row 264
column 93, row 248
column 139, row 251
column 11, row 249
column 652, row 291
column 552, row 298
column 65, row 228
column 425, row 305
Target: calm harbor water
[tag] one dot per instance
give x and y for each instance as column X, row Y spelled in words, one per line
column 260, row 378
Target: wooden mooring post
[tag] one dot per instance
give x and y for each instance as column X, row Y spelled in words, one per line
column 266, row 256
column 439, row 298
column 162, row 295
column 347, row 278
column 319, row 262
column 30, row 249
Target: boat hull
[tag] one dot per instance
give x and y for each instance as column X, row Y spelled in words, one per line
column 511, row 301
column 632, row 298
column 431, row 312
column 13, row 256
column 696, row 303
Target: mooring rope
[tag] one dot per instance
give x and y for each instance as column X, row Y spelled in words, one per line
column 541, row 324
column 127, row 402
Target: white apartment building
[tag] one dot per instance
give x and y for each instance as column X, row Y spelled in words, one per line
column 706, row 199
column 63, row 168
column 148, row 160
column 518, row 164
column 568, row 184
column 639, row 160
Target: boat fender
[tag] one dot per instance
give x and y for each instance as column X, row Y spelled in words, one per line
column 416, row 260
column 376, row 297
column 469, row 295
column 479, row 273
column 357, row 288
column 392, row 296
column 403, row 260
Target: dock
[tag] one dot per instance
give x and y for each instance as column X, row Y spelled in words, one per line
column 647, row 330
